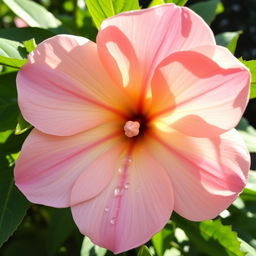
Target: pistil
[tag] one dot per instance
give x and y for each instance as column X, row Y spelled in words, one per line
column 131, row 128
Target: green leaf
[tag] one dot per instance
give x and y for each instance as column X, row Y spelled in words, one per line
column 4, row 136
column 12, row 53
column 13, row 205
column 206, row 9
column 161, row 240
column 156, row 2
column 232, row 45
column 251, row 64
column 207, row 237
column 228, row 39
column 253, row 90
column 177, row 2
column 223, row 234
column 248, row 133
column 90, row 249
column 8, row 116
column 8, row 91
column 245, row 247
column 12, row 62
column 30, row 45
column 144, row 251
column 22, row 125
column 251, row 184
column 12, row 49
column 23, row 34
column 248, row 195
column 9, row 110
column 102, row 9
column 220, row 8
column 33, row 14
column 243, row 215
column 13, row 144
column 60, row 227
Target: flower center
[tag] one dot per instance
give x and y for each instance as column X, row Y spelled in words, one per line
column 131, row 128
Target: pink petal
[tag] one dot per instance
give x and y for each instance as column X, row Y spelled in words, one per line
column 49, row 165
column 207, row 174
column 20, row 23
column 64, row 89
column 132, row 44
column 219, row 54
column 136, row 204
column 206, row 97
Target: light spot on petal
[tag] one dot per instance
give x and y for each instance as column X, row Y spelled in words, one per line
column 113, row 221
column 118, row 191
column 127, row 185
column 123, row 63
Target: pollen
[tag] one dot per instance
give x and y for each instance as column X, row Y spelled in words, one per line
column 131, row 128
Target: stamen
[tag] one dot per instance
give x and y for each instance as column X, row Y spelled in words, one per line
column 131, row 128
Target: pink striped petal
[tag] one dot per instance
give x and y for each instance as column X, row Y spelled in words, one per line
column 205, row 97
column 219, row 54
column 49, row 165
column 132, row 44
column 207, row 174
column 64, row 89
column 136, row 205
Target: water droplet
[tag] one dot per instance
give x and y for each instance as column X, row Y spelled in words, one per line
column 118, row 191
column 127, row 185
column 120, row 170
column 128, row 160
column 106, row 209
column 113, row 221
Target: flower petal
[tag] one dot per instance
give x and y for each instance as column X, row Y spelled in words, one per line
column 49, row 165
column 219, row 54
column 131, row 44
column 207, row 174
column 205, row 99
column 64, row 89
column 136, row 205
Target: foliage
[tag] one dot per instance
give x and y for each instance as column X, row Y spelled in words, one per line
column 207, row 10
column 228, row 39
column 38, row 230
column 251, row 65
column 102, row 9
column 33, row 14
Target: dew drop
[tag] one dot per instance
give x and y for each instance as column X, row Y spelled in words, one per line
column 128, row 160
column 124, row 164
column 120, row 170
column 113, row 221
column 127, row 185
column 106, row 209
column 118, row 191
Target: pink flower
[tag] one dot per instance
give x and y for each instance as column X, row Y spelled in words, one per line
column 20, row 23
column 134, row 127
